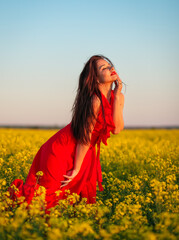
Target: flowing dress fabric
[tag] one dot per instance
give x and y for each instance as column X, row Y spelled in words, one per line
column 56, row 157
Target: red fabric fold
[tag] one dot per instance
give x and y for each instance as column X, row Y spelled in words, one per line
column 99, row 172
column 22, row 189
column 56, row 157
column 102, row 131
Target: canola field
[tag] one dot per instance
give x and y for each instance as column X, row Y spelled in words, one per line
column 140, row 198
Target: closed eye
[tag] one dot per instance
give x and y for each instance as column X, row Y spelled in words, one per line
column 109, row 66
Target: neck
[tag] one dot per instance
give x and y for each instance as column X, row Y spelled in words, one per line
column 105, row 89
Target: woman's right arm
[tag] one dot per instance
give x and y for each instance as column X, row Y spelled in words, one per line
column 81, row 149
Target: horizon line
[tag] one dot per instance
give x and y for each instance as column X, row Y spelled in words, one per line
column 38, row 126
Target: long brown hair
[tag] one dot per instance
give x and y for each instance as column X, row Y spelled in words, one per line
column 82, row 110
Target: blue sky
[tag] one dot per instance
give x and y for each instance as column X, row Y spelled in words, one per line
column 45, row 44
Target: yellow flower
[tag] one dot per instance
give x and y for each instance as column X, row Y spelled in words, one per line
column 39, row 173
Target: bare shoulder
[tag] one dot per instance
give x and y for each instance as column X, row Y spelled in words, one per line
column 96, row 103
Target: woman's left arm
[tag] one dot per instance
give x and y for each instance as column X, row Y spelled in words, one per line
column 118, row 106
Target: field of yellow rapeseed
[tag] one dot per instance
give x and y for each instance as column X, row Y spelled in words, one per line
column 139, row 201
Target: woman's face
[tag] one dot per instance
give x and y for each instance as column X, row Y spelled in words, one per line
column 106, row 72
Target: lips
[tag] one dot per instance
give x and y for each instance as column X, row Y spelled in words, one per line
column 113, row 73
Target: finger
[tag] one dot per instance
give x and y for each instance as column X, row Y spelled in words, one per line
column 63, row 185
column 119, row 81
column 66, row 176
column 120, row 84
column 66, row 181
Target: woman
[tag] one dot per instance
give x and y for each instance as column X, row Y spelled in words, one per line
column 68, row 159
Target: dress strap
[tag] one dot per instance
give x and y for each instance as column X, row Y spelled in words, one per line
column 99, row 172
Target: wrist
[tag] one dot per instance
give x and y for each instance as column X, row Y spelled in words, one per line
column 117, row 96
column 75, row 170
column 119, row 99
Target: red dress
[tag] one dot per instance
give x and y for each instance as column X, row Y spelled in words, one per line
column 56, row 156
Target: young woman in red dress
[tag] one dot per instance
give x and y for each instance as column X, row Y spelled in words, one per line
column 68, row 159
